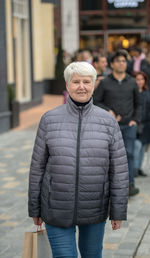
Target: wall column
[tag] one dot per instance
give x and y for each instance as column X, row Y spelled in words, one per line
column 4, row 111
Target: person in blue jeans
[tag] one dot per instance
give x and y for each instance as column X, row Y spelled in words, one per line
column 129, row 137
column 118, row 94
column 139, row 151
column 79, row 171
column 63, row 241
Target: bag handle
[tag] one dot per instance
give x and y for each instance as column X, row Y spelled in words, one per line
column 39, row 228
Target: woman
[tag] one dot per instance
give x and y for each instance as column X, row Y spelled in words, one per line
column 79, row 172
column 143, row 135
column 145, row 67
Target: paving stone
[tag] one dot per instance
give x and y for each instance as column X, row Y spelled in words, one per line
column 121, row 256
column 128, row 245
column 107, row 253
column 127, row 252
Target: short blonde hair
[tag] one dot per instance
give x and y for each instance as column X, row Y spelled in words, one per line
column 80, row 68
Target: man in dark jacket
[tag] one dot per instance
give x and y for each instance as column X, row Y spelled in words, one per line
column 118, row 93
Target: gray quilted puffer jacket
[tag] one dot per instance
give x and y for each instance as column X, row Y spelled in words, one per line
column 79, row 171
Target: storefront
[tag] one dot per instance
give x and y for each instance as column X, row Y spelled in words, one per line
column 109, row 24
column 27, row 56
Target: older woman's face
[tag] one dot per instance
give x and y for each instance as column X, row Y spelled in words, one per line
column 80, row 88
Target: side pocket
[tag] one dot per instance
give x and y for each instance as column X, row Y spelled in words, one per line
column 49, row 193
column 103, row 194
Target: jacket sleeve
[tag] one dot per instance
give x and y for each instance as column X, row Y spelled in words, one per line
column 98, row 97
column 118, row 177
column 37, row 169
column 137, row 105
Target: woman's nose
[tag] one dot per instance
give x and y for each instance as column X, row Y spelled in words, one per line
column 81, row 85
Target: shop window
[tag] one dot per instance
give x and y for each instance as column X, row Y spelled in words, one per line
column 93, row 42
column 128, row 20
column 90, row 5
column 125, row 41
column 90, row 22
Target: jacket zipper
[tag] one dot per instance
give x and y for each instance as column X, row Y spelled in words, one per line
column 77, row 166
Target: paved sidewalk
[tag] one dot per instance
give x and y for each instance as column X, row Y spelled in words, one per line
column 32, row 116
column 132, row 240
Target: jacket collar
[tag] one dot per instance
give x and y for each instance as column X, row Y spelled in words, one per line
column 125, row 78
column 74, row 109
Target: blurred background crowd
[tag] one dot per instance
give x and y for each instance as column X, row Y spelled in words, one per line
column 114, row 91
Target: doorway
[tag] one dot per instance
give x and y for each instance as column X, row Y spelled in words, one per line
column 22, row 52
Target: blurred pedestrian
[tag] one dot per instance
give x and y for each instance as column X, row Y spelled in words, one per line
column 100, row 64
column 145, row 67
column 79, row 171
column 65, row 96
column 86, row 56
column 138, row 56
column 129, row 68
column 143, row 132
column 118, row 94
column 77, row 56
column 66, row 58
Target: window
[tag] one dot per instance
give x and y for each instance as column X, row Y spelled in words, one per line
column 94, row 42
column 20, row 9
column 91, row 22
column 50, row 1
column 128, row 20
column 91, row 5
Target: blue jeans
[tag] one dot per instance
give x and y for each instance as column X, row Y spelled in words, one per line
column 63, row 241
column 129, row 136
column 139, row 150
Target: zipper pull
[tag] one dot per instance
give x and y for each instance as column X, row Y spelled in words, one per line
column 80, row 110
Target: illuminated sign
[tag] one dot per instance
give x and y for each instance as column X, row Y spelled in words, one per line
column 125, row 3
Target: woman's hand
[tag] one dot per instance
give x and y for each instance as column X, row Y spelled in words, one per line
column 37, row 221
column 116, row 224
column 112, row 113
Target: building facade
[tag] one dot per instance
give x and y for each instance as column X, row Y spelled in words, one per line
column 27, row 53
column 109, row 24
column 105, row 24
